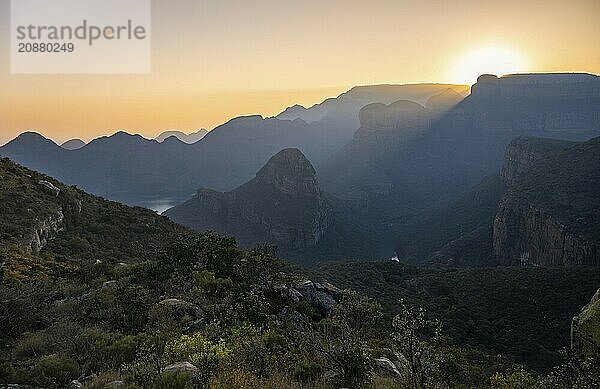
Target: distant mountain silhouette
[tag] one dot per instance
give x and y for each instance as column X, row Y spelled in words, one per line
column 130, row 168
column 342, row 112
column 185, row 138
column 73, row 144
column 283, row 205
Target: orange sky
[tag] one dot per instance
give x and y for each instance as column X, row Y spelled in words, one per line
column 213, row 60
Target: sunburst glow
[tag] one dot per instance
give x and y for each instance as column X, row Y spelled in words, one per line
column 487, row 60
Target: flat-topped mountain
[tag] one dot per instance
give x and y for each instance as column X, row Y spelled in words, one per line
column 545, row 85
column 282, row 205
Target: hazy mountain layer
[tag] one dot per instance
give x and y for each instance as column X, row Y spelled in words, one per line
column 397, row 172
column 185, row 138
column 133, row 169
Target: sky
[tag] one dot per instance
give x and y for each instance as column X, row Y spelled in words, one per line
column 214, row 60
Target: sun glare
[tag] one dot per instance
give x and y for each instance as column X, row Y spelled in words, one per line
column 487, row 60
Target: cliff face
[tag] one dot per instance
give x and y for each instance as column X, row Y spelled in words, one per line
column 549, row 216
column 283, row 205
column 522, row 153
column 525, row 234
column 44, row 231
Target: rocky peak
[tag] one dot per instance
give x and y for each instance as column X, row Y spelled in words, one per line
column 283, row 205
column 290, row 172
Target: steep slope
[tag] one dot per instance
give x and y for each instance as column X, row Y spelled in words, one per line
column 52, row 223
column 549, row 216
column 282, row 205
column 115, row 292
column 540, row 210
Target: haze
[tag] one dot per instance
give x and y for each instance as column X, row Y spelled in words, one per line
column 216, row 60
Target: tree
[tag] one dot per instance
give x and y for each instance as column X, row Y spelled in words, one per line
column 413, row 335
column 357, row 312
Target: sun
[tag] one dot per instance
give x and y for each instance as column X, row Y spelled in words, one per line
column 487, row 60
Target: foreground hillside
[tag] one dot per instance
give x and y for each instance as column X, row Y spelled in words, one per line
column 96, row 294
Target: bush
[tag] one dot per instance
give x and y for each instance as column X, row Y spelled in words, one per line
column 308, row 372
column 55, row 371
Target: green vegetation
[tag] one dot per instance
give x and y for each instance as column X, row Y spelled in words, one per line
column 122, row 294
column 521, row 313
column 459, row 234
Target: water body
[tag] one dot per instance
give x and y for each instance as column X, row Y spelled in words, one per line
column 160, row 205
column 157, row 203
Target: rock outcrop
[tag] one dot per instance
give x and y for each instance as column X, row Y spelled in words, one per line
column 585, row 329
column 44, row 231
column 549, row 214
column 49, row 187
column 522, row 153
column 525, row 234
column 386, row 125
column 282, row 205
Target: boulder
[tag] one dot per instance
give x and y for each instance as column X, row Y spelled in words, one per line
column 184, row 367
column 75, row 385
column 318, row 298
column 386, row 366
column 49, row 187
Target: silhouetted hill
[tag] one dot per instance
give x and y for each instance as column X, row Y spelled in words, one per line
column 283, row 205
column 130, row 168
column 185, row 138
column 345, row 107
column 73, row 144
